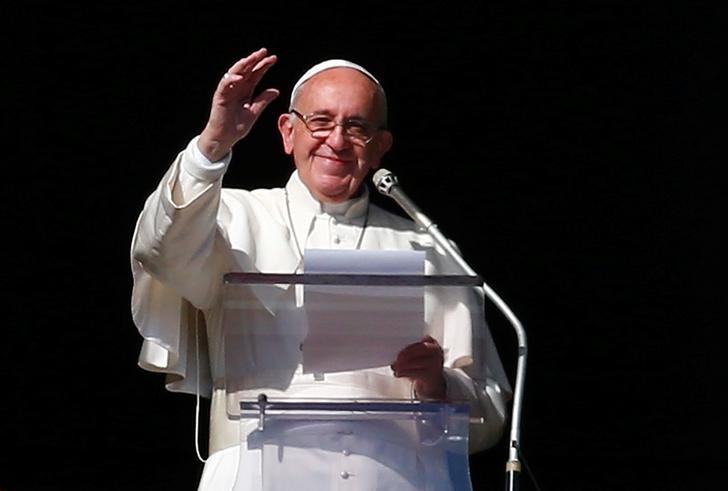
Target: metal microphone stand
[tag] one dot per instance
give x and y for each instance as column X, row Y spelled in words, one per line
column 513, row 466
column 386, row 185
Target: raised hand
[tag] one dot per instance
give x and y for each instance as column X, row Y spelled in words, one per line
column 234, row 109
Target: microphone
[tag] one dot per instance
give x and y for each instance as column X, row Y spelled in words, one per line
column 388, row 184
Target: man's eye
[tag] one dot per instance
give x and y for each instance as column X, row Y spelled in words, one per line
column 357, row 128
column 320, row 122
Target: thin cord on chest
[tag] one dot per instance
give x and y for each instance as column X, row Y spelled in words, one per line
column 299, row 249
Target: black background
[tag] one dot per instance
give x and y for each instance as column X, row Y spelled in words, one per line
column 569, row 148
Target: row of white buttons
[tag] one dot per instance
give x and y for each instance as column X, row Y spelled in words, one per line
column 346, row 452
column 328, row 231
column 349, row 234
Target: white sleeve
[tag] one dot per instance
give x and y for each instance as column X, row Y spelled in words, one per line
column 196, row 173
column 177, row 259
column 180, row 243
column 473, row 369
column 487, row 400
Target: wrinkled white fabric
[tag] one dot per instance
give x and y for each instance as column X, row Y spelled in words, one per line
column 192, row 231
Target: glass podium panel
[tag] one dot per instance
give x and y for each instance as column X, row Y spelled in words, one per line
column 306, row 362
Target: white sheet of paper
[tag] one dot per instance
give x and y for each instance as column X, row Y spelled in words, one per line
column 355, row 327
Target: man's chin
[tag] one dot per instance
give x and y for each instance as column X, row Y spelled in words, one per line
column 334, row 190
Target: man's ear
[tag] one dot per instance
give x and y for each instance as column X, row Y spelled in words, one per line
column 383, row 143
column 285, row 127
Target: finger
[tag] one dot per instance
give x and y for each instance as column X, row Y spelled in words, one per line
column 241, row 84
column 425, row 341
column 419, row 350
column 257, row 73
column 432, row 359
column 417, row 371
column 412, row 374
column 262, row 100
column 406, row 361
column 247, row 64
column 228, row 83
column 241, row 67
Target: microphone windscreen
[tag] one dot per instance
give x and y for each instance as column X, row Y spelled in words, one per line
column 380, row 175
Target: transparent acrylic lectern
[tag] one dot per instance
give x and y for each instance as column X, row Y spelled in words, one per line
column 307, row 360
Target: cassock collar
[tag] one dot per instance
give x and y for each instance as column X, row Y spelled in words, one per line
column 304, row 208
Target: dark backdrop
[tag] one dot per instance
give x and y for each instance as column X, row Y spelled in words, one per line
column 570, row 149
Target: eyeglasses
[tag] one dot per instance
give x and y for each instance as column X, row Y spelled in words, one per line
column 357, row 131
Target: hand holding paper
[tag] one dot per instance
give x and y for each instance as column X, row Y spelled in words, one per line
column 422, row 362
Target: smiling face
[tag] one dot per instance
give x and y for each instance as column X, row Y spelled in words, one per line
column 333, row 168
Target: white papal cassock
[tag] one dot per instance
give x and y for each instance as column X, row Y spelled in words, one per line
column 192, row 231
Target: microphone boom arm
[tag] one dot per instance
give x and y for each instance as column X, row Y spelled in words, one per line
column 386, row 183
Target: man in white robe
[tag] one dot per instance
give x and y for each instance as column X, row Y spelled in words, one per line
column 192, row 232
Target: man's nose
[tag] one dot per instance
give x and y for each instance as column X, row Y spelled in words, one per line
column 337, row 138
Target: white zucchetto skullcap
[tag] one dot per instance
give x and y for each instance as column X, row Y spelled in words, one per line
column 328, row 64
